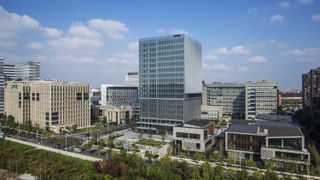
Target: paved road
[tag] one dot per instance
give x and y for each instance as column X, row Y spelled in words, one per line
column 67, row 153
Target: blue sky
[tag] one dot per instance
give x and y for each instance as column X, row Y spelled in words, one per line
column 96, row 41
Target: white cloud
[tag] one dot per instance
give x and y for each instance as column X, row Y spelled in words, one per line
column 134, row 46
column 243, row 69
column 307, row 52
column 305, row 2
column 316, row 18
column 223, row 52
column 278, row 18
column 240, row 50
column 258, row 59
column 219, row 67
column 124, row 59
column 77, row 44
column 82, row 31
column 211, row 57
column 35, row 45
column 12, row 24
column 52, row 32
column 114, row 29
column 304, row 55
column 284, row 5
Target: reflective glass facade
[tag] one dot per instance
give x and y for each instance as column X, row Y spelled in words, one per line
column 169, row 81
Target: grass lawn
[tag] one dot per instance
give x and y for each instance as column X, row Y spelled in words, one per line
column 150, row 142
column 19, row 158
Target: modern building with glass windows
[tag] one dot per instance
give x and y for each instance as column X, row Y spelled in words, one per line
column 29, row 71
column 261, row 99
column 242, row 101
column 120, row 95
column 229, row 96
column 1, row 86
column 169, row 81
column 277, row 141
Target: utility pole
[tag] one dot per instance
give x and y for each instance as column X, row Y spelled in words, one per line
column 66, row 148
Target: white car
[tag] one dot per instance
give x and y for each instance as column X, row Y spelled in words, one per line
column 77, row 150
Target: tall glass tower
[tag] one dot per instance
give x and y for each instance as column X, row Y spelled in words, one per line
column 169, row 81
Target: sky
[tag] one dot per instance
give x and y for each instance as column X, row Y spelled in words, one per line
column 96, row 41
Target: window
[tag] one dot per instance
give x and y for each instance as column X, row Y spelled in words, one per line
column 79, row 96
column 198, row 145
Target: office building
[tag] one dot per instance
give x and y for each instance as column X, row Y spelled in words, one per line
column 112, row 114
column 242, row 101
column 1, row 86
column 195, row 135
column 169, row 81
column 95, row 96
column 267, row 140
column 9, row 72
column 131, row 79
column 261, row 98
column 29, row 71
column 290, row 100
column 120, row 95
column 229, row 96
column 311, row 92
column 211, row 112
column 49, row 105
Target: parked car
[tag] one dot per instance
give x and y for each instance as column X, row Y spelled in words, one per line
column 77, row 150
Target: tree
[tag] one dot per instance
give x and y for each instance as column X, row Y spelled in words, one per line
column 162, row 132
column 110, row 143
column 257, row 175
column 218, row 171
column 243, row 175
column 195, row 175
column 149, row 155
column 250, row 163
column 199, row 156
column 268, row 164
column 270, row 175
column 101, row 144
column 207, row 171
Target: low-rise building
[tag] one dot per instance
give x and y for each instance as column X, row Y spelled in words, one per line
column 211, row 112
column 267, row 140
column 112, row 114
column 194, row 135
column 51, row 105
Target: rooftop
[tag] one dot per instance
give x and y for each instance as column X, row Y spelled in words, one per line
column 268, row 128
column 200, row 123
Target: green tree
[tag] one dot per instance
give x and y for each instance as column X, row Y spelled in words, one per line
column 195, row 175
column 270, row 175
column 207, row 171
column 218, row 170
column 101, row 144
column 257, row 175
column 243, row 175
column 250, row 163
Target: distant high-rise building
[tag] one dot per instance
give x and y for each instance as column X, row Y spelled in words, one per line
column 261, row 99
column 1, row 86
column 29, row 71
column 132, row 79
column 51, row 105
column 229, row 96
column 120, row 95
column 311, row 91
column 243, row 101
column 95, row 96
column 169, row 81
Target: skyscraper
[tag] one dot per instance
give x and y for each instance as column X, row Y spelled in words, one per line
column 26, row 71
column 311, row 91
column 1, row 86
column 169, row 81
